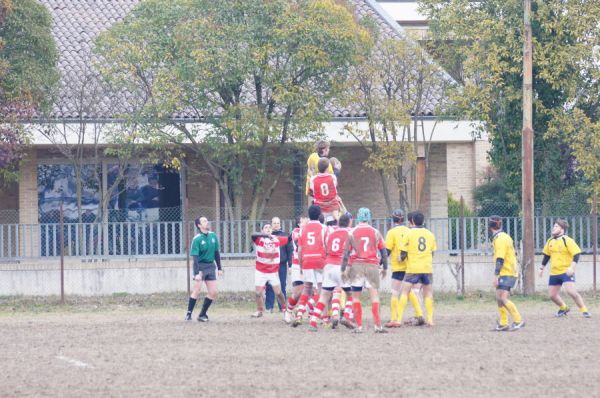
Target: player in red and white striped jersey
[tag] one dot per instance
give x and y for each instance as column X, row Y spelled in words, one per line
column 323, row 188
column 369, row 248
column 332, row 274
column 267, row 267
column 296, row 272
column 311, row 254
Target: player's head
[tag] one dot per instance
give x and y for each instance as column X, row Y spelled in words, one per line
column 314, row 212
column 495, row 223
column 276, row 223
column 398, row 216
column 322, row 218
column 418, row 218
column 411, row 217
column 202, row 223
column 267, row 229
column 560, row 227
column 330, row 221
column 323, row 165
column 363, row 215
column 322, row 148
column 345, row 220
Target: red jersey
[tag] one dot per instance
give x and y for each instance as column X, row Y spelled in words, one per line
column 295, row 237
column 335, row 244
column 312, row 245
column 324, row 188
column 366, row 242
column 267, row 254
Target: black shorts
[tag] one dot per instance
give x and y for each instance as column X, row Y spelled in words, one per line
column 208, row 270
column 506, row 283
column 398, row 275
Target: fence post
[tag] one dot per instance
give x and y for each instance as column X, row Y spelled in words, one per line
column 62, row 254
column 462, row 245
column 594, row 234
column 186, row 239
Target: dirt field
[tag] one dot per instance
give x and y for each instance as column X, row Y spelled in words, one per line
column 128, row 351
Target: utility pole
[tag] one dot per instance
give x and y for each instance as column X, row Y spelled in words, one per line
column 527, row 189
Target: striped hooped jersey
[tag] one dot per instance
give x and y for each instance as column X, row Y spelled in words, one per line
column 312, row 245
column 267, row 254
column 335, row 244
column 295, row 237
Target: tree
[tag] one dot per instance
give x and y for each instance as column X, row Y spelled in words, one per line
column 258, row 73
column 394, row 85
column 28, row 74
column 482, row 44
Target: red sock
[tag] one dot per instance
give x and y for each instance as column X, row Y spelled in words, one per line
column 291, row 303
column 335, row 307
column 317, row 314
column 348, row 308
column 357, row 309
column 316, row 297
column 375, row 311
column 301, row 305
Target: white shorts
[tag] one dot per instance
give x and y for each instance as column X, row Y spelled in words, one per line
column 314, row 276
column 332, row 276
column 261, row 278
column 296, row 274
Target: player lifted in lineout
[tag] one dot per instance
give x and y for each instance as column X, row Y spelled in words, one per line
column 323, row 188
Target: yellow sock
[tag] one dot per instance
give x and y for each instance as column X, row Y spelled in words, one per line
column 583, row 309
column 414, row 301
column 514, row 312
column 429, row 309
column 503, row 316
column 394, row 309
column 401, row 306
column 563, row 307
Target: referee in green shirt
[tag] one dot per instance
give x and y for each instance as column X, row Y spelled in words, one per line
column 205, row 252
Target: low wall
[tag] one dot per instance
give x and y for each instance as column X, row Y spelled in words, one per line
column 97, row 278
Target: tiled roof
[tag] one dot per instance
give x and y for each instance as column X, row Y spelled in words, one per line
column 76, row 23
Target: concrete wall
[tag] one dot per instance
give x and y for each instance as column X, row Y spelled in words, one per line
column 42, row 278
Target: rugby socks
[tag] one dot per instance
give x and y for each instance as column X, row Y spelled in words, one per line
column 291, row 303
column 375, row 312
column 583, row 309
column 414, row 301
column 191, row 305
column 205, row 305
column 503, row 316
column 348, row 307
column 335, row 305
column 563, row 307
column 357, row 310
column 301, row 306
column 513, row 311
column 402, row 306
column 394, row 302
column 317, row 314
column 429, row 309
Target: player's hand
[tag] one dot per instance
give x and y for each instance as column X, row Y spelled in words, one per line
column 570, row 271
column 220, row 272
column 198, row 277
column 383, row 273
column 541, row 272
column 495, row 282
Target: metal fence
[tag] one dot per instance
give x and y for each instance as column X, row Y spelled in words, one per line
column 171, row 238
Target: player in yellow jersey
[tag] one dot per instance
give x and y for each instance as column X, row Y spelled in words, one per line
column 563, row 254
column 322, row 150
column 393, row 242
column 505, row 276
column 418, row 247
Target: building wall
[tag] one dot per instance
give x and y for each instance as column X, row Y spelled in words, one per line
column 467, row 164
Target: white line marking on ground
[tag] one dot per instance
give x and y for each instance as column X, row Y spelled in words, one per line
column 74, row 362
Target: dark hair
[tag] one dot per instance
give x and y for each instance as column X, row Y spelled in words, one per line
column 418, row 218
column 410, row 216
column 314, row 212
column 321, row 146
column 323, row 165
column 197, row 221
column 495, row 222
column 398, row 216
column 344, row 220
column 297, row 220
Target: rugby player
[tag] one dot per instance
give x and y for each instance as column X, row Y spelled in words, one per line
column 323, row 188
column 295, row 271
column 322, row 150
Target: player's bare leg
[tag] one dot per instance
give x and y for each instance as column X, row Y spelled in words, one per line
column 572, row 292
column 320, row 308
column 194, row 296
column 554, row 293
column 405, row 290
column 302, row 303
column 279, row 295
column 506, row 307
column 260, row 303
column 293, row 300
